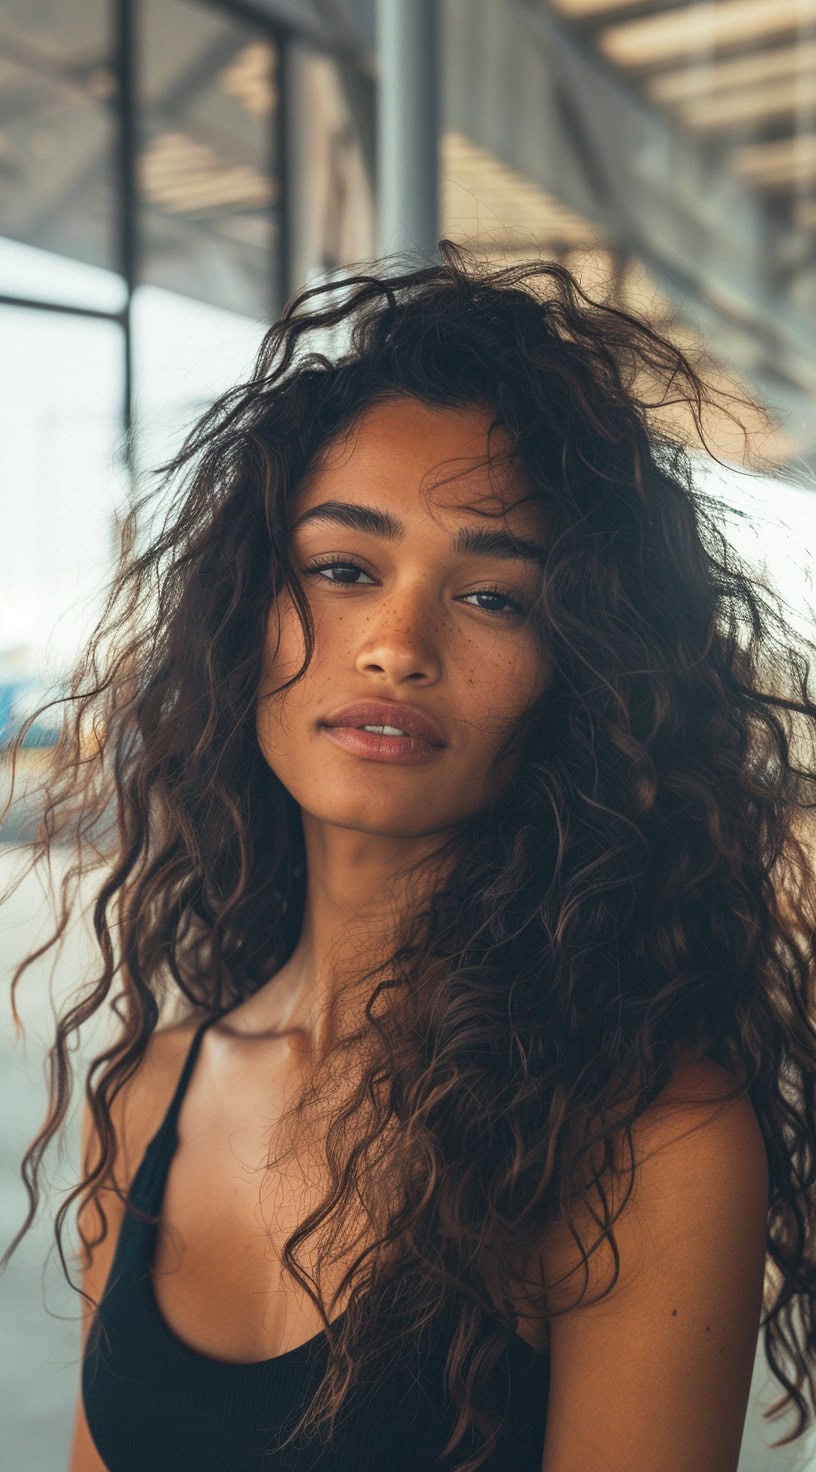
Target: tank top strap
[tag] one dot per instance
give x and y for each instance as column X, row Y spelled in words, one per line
column 169, row 1123
column 148, row 1182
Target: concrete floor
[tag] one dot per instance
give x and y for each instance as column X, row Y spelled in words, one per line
column 39, row 1313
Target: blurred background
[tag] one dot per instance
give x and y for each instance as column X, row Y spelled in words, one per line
column 172, row 170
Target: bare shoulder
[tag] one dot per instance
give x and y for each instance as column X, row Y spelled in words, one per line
column 701, row 1141
column 700, row 1092
column 135, row 1115
column 666, row 1354
column 139, row 1106
column 694, row 1132
column 144, row 1100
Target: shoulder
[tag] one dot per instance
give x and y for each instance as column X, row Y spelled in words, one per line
column 700, row 1161
column 666, row 1356
column 693, row 1149
column 135, row 1115
column 700, row 1145
column 142, row 1101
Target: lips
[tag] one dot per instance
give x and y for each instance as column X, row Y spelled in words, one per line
column 408, row 718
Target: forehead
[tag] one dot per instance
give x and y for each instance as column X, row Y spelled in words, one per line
column 408, row 452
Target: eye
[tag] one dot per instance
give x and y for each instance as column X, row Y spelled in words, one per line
column 513, row 606
column 330, row 566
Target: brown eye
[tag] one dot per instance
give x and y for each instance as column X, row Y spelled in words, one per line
column 513, row 608
column 321, row 567
column 514, row 605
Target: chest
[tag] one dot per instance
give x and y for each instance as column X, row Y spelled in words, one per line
column 240, row 1182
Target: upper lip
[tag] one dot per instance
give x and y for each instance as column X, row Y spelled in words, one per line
column 407, row 718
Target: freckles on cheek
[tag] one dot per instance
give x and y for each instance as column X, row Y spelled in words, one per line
column 502, row 688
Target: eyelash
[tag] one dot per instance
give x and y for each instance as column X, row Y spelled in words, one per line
column 514, row 609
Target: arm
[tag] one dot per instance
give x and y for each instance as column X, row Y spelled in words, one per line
column 84, row 1456
column 136, row 1113
column 657, row 1375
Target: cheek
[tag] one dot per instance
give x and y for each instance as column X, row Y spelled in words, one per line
column 504, row 685
column 284, row 646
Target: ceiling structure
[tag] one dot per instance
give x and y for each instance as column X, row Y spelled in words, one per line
column 664, row 149
column 733, row 82
column 739, row 73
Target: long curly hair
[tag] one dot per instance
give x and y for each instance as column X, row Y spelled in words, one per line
column 645, row 880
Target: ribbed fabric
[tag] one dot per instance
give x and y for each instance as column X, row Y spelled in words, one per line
column 155, row 1405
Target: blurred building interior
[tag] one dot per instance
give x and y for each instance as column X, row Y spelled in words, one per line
column 172, row 170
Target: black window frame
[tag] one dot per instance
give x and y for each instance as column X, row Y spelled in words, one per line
column 124, row 104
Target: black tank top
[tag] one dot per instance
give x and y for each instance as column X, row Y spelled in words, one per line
column 154, row 1405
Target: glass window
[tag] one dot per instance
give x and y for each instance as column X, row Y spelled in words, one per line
column 186, row 353
column 61, row 482
column 331, row 189
column 57, row 129
column 772, row 524
column 209, row 219
column 26, row 271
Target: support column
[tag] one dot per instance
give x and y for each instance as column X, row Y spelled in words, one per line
column 408, row 37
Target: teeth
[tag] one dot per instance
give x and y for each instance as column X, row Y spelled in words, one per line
column 385, row 730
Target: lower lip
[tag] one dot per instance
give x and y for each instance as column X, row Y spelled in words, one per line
column 404, row 749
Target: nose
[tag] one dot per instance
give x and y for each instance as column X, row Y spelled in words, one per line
column 399, row 639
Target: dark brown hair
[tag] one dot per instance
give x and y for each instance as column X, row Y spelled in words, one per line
column 645, row 881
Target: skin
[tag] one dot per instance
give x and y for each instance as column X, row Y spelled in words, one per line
column 408, row 627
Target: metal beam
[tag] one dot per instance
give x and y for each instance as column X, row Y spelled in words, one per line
column 519, row 83
column 282, row 284
column 312, row 23
column 65, row 309
column 128, row 204
column 408, row 126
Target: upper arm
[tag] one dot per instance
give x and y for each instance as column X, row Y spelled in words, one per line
column 135, row 1113
column 657, row 1374
column 84, row 1456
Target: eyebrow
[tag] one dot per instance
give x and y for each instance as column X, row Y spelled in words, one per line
column 469, row 540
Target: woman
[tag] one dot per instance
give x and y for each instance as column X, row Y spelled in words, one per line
column 450, row 774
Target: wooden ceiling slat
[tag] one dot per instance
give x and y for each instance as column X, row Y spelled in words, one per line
column 482, row 195
column 652, row 40
column 588, row 9
column 752, row 104
column 785, row 163
column 724, row 66
column 702, row 77
column 728, row 67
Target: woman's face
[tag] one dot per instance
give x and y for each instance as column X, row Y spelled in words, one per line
column 405, row 617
